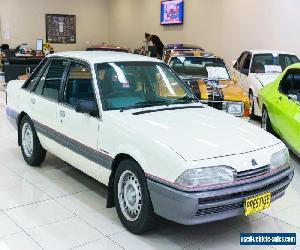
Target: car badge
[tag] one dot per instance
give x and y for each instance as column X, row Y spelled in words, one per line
column 254, row 163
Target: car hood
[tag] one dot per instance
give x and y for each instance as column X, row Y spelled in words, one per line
column 265, row 79
column 196, row 131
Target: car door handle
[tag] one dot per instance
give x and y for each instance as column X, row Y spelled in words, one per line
column 62, row 113
column 32, row 100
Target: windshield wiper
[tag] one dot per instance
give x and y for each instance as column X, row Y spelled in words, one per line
column 149, row 103
column 186, row 99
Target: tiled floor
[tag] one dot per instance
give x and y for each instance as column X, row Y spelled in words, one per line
column 55, row 207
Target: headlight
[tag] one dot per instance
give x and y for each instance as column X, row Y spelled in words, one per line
column 280, row 159
column 206, row 176
column 234, row 108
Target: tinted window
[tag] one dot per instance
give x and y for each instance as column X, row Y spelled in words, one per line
column 51, row 80
column 238, row 65
column 246, row 63
column 291, row 85
column 272, row 63
column 79, row 85
column 286, row 84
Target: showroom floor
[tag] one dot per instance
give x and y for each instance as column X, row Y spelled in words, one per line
column 55, row 207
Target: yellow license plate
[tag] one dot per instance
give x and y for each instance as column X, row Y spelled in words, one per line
column 256, row 204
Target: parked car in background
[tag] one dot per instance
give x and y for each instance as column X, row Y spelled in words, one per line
column 179, row 47
column 107, row 47
column 256, row 68
column 210, row 80
column 280, row 104
column 129, row 122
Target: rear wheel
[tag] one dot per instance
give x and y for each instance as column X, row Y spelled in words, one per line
column 132, row 198
column 32, row 151
column 265, row 121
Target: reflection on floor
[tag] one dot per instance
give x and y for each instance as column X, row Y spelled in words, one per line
column 55, row 207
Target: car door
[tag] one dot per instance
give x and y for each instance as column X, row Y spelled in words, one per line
column 287, row 110
column 80, row 130
column 44, row 101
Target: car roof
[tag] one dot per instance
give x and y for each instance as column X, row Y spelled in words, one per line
column 94, row 57
column 183, row 46
column 270, row 52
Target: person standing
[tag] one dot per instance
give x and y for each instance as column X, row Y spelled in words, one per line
column 156, row 42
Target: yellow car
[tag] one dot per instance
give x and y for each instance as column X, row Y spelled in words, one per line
column 210, row 80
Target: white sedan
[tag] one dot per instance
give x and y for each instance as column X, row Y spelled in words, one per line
column 256, row 68
column 131, row 123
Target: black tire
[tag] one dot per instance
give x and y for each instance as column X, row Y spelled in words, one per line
column 265, row 121
column 38, row 154
column 251, row 99
column 146, row 219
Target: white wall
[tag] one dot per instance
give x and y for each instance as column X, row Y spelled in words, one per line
column 24, row 21
column 225, row 27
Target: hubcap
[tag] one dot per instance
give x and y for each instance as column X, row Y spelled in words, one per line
column 130, row 195
column 27, row 139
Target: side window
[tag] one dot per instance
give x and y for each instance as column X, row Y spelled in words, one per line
column 239, row 61
column 296, row 86
column 246, row 65
column 36, row 76
column 51, row 80
column 286, row 84
column 79, row 85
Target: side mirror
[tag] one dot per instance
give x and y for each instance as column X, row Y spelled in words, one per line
column 293, row 97
column 245, row 71
column 86, row 107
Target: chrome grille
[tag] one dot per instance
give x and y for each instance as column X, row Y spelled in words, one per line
column 253, row 172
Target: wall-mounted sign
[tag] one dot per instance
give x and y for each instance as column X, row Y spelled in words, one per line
column 60, row 28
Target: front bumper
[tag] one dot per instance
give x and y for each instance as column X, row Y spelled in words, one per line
column 202, row 207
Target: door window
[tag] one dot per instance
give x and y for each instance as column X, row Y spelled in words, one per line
column 290, row 85
column 49, row 84
column 34, row 78
column 79, row 85
column 246, row 64
column 286, row 84
column 238, row 63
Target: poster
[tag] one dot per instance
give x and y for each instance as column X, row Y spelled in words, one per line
column 60, row 28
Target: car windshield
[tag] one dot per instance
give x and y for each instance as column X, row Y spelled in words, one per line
column 202, row 67
column 126, row 85
column 272, row 63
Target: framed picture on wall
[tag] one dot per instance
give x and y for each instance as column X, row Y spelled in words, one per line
column 60, row 28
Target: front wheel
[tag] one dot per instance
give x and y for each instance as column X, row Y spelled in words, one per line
column 33, row 152
column 132, row 198
column 265, row 121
